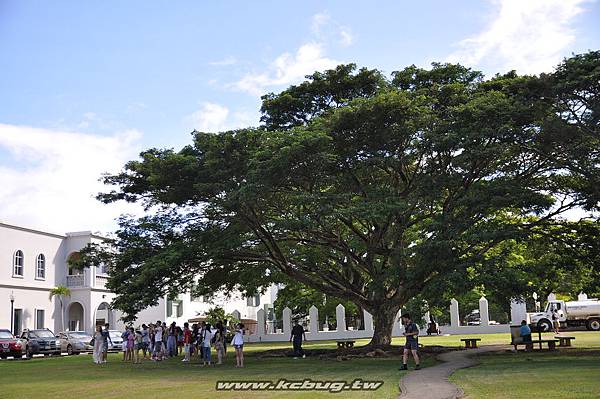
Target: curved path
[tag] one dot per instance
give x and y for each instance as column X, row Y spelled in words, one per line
column 432, row 382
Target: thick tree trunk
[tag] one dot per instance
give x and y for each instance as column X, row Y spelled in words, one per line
column 384, row 317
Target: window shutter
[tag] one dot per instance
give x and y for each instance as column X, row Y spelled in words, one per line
column 169, row 308
column 180, row 309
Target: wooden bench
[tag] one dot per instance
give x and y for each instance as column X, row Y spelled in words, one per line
column 345, row 344
column 470, row 343
column 551, row 343
column 564, row 341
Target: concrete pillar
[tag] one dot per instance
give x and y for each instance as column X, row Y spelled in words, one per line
column 368, row 321
column 454, row 316
column 397, row 329
column 484, row 314
column 260, row 323
column 340, row 317
column 518, row 311
column 313, row 315
column 287, row 321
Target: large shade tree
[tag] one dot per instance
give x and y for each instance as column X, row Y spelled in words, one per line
column 370, row 189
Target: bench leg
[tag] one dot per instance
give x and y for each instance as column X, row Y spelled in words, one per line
column 474, row 344
column 567, row 342
column 552, row 345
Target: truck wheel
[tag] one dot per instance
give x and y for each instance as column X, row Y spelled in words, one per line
column 593, row 324
column 545, row 325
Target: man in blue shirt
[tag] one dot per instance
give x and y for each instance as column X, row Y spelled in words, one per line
column 525, row 332
column 411, row 332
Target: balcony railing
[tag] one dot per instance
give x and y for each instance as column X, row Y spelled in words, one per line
column 76, row 280
column 87, row 279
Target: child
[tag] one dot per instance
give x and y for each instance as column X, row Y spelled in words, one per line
column 238, row 344
column 206, row 343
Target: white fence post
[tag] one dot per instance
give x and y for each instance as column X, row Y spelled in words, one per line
column 368, row 320
column 260, row 322
column 518, row 311
column 340, row 317
column 287, row 321
column 454, row 316
column 313, row 314
column 484, row 314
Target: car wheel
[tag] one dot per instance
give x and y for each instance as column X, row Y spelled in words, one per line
column 3, row 357
column 57, row 354
column 28, row 353
column 593, row 324
column 545, row 325
column 69, row 350
column 18, row 356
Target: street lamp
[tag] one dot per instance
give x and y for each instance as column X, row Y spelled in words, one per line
column 12, row 313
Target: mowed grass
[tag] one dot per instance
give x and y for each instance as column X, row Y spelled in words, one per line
column 78, row 377
column 566, row 374
column 503, row 375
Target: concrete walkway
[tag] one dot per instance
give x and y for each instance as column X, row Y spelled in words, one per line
column 432, row 382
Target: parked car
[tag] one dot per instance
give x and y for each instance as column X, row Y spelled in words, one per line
column 75, row 342
column 9, row 345
column 40, row 341
column 117, row 341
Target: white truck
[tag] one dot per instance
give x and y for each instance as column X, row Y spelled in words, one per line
column 572, row 313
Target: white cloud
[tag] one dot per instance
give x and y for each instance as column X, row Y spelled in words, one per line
column 287, row 68
column 324, row 27
column 229, row 60
column 49, row 178
column 529, row 36
column 212, row 117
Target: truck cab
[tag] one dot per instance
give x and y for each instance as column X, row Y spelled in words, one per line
column 544, row 319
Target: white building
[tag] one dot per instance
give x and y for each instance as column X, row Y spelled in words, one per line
column 34, row 262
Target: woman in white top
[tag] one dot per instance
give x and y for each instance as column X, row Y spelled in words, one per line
column 238, row 344
column 98, row 345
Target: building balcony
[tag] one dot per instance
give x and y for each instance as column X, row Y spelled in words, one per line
column 87, row 279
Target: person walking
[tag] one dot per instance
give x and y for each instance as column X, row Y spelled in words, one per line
column 98, row 345
column 145, row 340
column 298, row 333
column 411, row 332
column 238, row 344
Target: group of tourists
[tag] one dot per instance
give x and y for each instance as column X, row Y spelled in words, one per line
column 159, row 341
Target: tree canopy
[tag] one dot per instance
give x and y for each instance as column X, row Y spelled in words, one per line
column 370, row 189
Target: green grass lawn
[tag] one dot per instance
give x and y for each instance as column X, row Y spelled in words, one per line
column 78, row 377
column 566, row 374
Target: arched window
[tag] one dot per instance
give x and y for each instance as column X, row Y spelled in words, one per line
column 40, row 270
column 18, row 264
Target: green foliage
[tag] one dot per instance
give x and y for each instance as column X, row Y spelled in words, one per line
column 367, row 189
column 217, row 313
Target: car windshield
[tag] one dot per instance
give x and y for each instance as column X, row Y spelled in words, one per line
column 5, row 335
column 79, row 335
column 115, row 334
column 42, row 334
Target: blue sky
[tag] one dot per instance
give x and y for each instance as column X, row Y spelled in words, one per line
column 86, row 85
